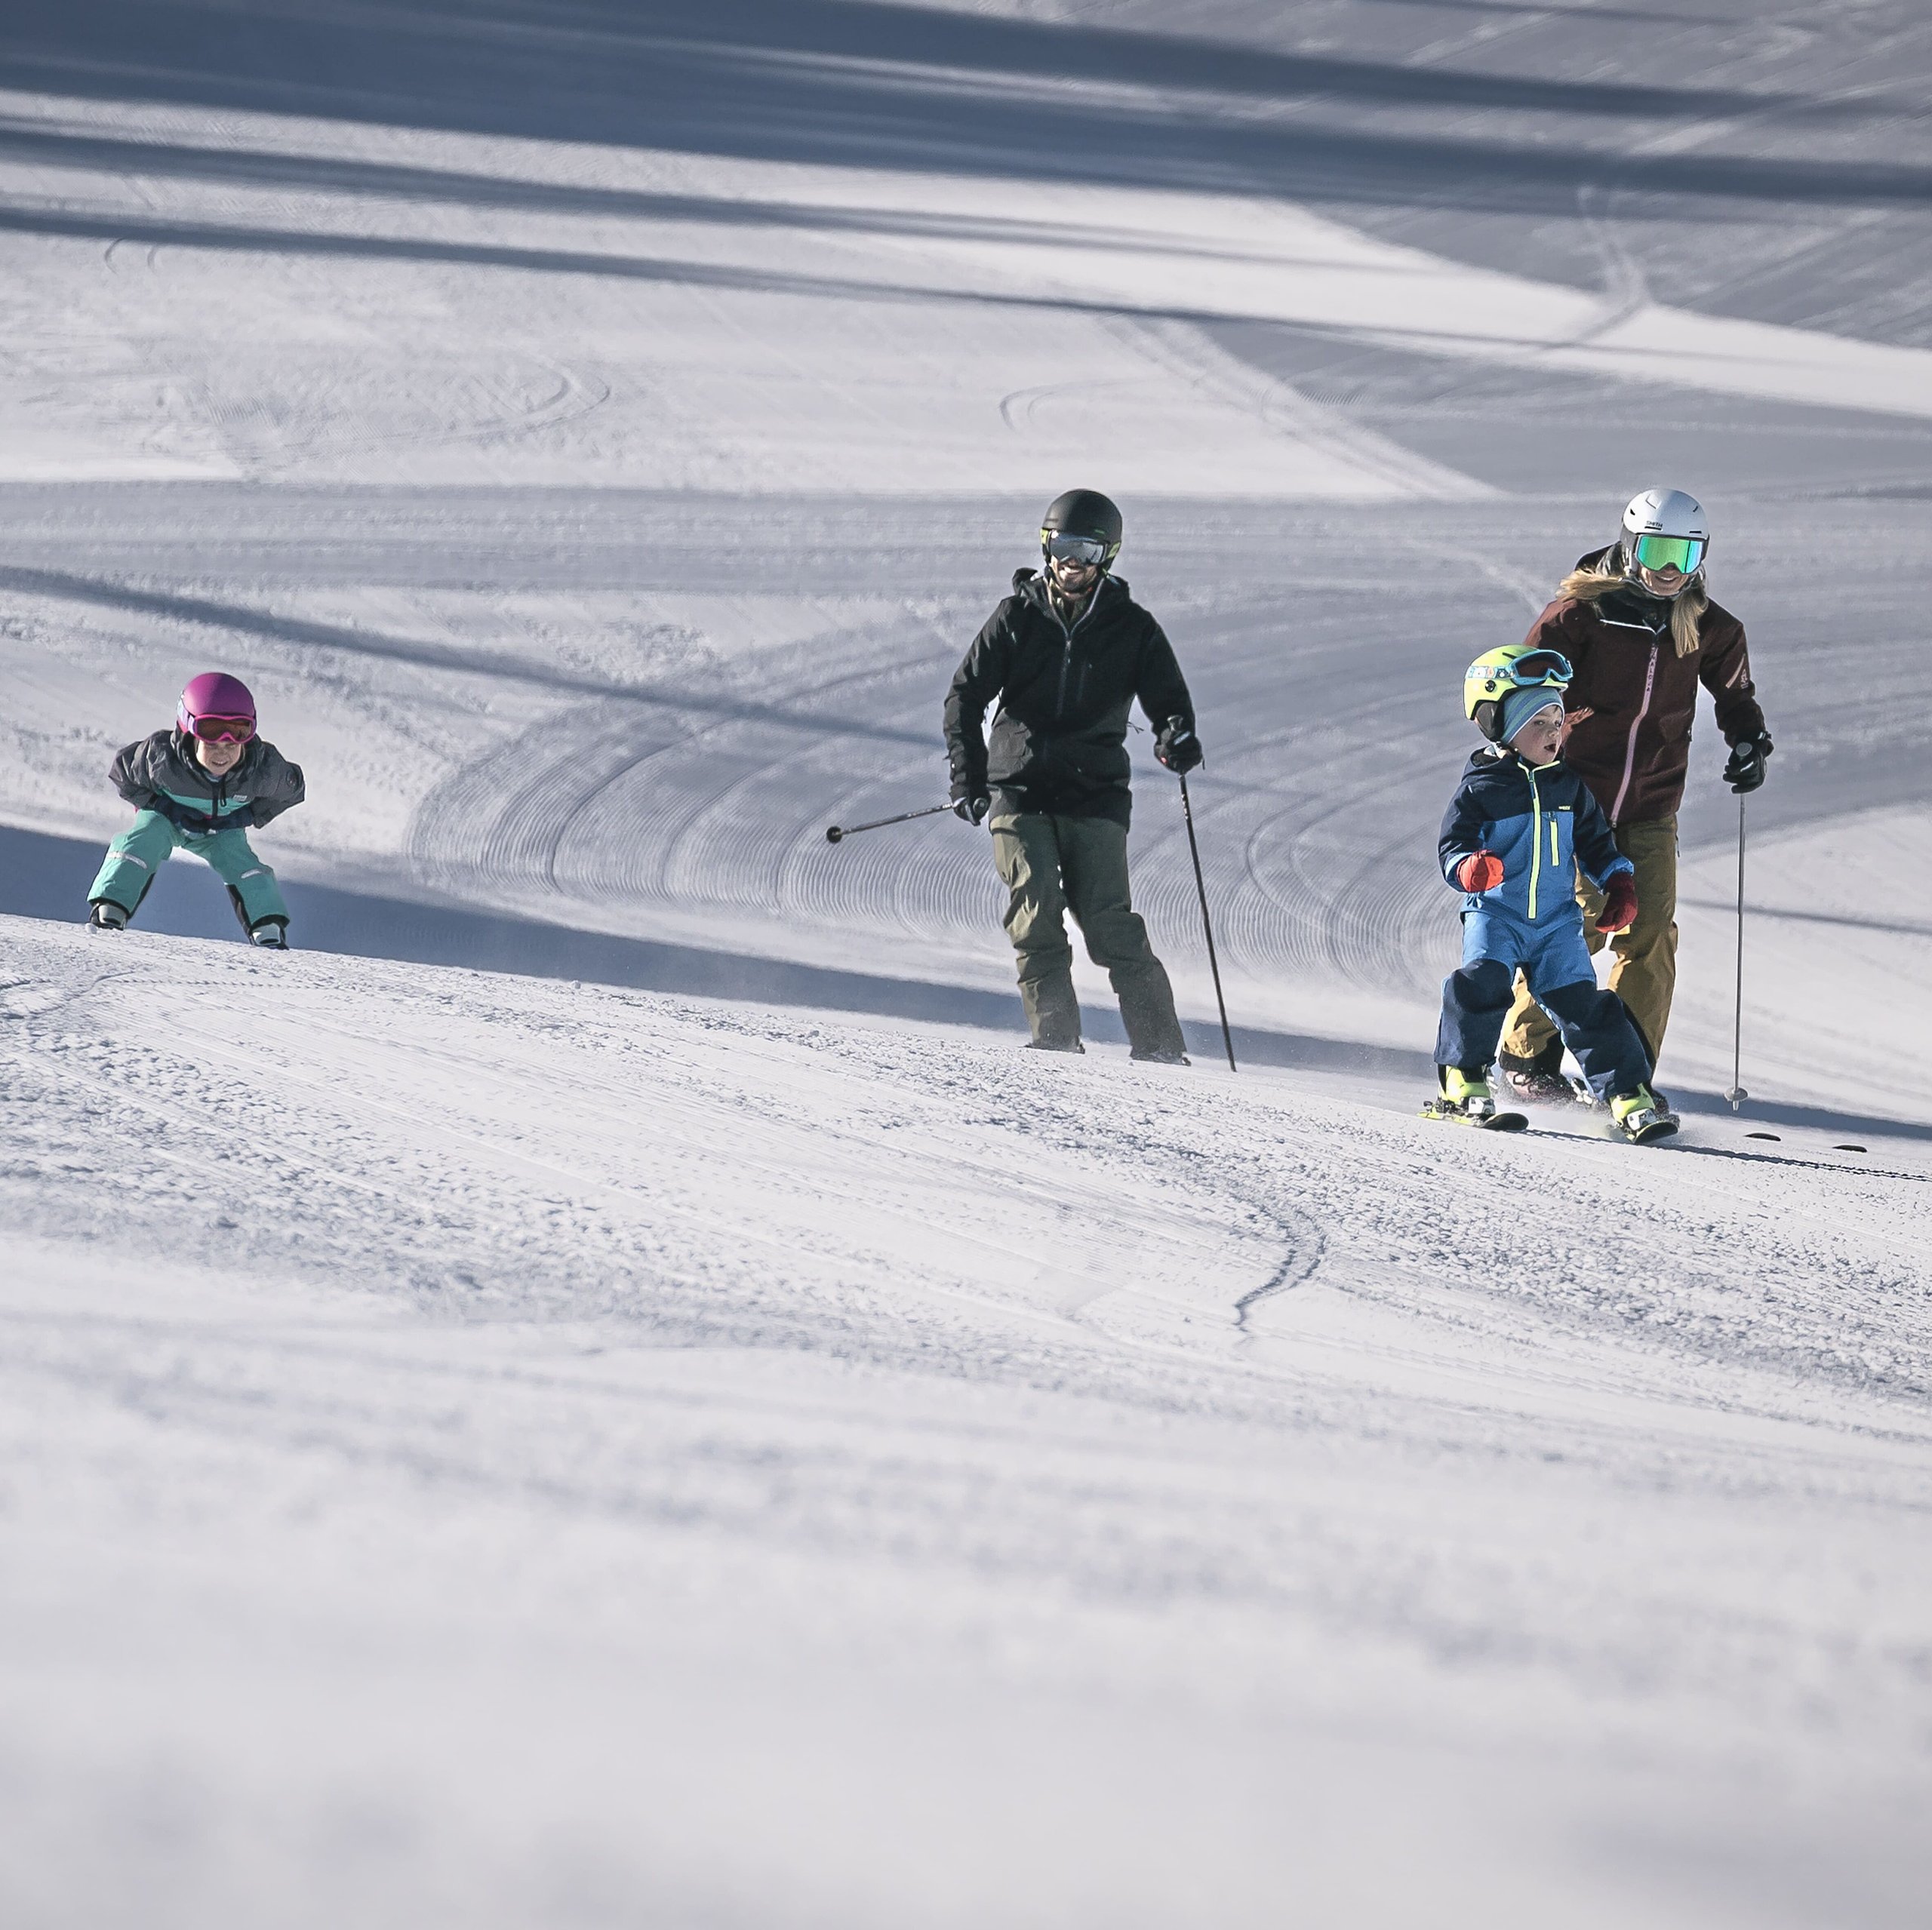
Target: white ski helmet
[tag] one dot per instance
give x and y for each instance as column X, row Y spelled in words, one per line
column 1666, row 529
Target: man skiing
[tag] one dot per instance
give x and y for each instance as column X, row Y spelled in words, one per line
column 201, row 786
column 1517, row 828
column 1065, row 656
column 1636, row 622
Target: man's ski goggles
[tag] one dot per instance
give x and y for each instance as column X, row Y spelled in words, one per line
column 224, row 730
column 1538, row 667
column 1089, row 550
column 1685, row 555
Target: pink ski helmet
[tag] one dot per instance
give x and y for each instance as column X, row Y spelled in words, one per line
column 215, row 705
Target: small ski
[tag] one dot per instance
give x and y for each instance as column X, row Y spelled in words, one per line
column 1491, row 1122
column 1640, row 1128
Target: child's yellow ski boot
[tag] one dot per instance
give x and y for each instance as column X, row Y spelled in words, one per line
column 1640, row 1116
column 1467, row 1101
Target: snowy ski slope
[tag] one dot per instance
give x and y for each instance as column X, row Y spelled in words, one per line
column 604, row 1390
column 668, row 1461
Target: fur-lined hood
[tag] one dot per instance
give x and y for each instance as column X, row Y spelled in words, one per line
column 1600, row 574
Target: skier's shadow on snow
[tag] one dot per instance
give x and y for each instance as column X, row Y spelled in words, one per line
column 45, row 877
column 42, row 876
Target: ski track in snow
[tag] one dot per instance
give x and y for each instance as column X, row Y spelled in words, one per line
column 1213, row 1369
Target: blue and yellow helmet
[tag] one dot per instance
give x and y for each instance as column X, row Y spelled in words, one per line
column 1497, row 673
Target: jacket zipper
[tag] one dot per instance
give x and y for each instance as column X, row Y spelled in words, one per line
column 1536, row 842
column 1630, row 747
column 1066, row 648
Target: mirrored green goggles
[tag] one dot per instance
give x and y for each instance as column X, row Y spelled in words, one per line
column 1685, row 555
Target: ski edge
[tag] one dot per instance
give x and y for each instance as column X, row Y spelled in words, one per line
column 1495, row 1122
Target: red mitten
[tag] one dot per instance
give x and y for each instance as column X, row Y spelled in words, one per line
column 1620, row 904
column 1481, row 871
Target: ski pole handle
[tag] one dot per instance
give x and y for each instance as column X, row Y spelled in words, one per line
column 834, row 833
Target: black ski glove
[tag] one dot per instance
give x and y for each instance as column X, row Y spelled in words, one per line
column 972, row 809
column 1177, row 747
column 179, row 815
column 1746, row 770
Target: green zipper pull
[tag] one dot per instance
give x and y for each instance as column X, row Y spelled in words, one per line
column 1536, row 840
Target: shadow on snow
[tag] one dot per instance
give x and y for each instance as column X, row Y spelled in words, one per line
column 42, row 876
column 847, row 83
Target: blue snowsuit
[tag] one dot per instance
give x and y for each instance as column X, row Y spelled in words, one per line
column 1541, row 823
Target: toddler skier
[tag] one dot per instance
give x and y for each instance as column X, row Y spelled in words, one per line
column 203, row 786
column 1520, row 822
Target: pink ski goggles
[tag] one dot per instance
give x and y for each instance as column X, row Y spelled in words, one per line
column 224, row 730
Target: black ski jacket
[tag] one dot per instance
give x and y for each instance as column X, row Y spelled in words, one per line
column 1059, row 741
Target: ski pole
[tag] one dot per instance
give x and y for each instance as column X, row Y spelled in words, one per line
column 1737, row 1094
column 833, row 832
column 1207, row 924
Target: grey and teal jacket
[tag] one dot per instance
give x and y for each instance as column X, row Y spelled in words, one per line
column 1541, row 823
column 161, row 773
column 1059, row 741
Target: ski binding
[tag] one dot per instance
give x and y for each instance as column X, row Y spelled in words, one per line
column 1645, row 1124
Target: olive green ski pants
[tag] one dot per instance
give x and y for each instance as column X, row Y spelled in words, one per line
column 1050, row 866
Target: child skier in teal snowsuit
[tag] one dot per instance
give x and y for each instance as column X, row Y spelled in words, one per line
column 202, row 786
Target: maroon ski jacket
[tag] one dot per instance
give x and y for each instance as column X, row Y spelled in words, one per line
column 1633, row 749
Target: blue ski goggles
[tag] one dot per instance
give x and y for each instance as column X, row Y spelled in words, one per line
column 1536, row 670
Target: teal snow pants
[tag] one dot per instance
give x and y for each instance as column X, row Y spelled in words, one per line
column 148, row 844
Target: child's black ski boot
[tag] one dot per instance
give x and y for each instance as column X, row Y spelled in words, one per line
column 1540, row 1081
column 104, row 915
column 271, row 934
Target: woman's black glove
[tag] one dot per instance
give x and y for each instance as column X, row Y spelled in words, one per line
column 972, row 809
column 1746, row 770
column 1177, row 747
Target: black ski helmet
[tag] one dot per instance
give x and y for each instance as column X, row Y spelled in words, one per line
column 1083, row 512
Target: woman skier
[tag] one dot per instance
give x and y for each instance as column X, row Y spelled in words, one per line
column 1636, row 623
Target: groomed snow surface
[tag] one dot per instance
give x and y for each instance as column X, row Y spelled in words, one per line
column 486, row 1450
column 605, row 1389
